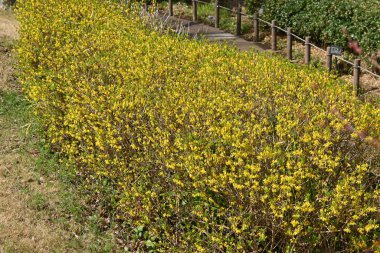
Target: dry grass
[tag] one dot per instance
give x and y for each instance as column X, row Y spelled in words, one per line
column 21, row 229
column 8, row 25
column 7, row 77
column 38, row 212
column 8, row 33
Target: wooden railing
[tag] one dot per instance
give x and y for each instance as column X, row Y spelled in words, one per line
column 357, row 68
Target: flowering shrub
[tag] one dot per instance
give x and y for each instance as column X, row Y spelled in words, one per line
column 211, row 149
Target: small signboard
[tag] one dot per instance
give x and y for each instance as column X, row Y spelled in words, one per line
column 335, row 50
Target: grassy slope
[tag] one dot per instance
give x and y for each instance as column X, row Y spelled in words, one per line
column 40, row 210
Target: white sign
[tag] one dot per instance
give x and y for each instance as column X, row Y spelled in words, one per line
column 336, row 50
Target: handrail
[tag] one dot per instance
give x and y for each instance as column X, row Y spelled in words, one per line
column 369, row 72
column 199, row 1
column 346, row 61
column 265, row 22
column 224, row 8
column 292, row 34
column 299, row 38
column 283, row 30
column 316, row 47
column 348, row 126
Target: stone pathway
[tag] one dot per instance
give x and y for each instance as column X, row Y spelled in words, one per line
column 216, row 35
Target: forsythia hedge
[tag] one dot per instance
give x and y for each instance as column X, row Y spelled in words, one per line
column 210, row 149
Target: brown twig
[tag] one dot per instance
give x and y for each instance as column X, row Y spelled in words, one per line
column 362, row 134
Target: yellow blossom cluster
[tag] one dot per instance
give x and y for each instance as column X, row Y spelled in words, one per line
column 209, row 149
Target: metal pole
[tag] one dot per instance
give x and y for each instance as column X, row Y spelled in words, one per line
column 329, row 59
column 307, row 50
column 274, row 36
column 289, row 43
column 256, row 36
column 217, row 12
column 356, row 78
column 195, row 15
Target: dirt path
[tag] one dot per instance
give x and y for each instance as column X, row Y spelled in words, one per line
column 215, row 35
column 370, row 84
column 8, row 33
column 8, row 25
column 21, row 228
column 38, row 213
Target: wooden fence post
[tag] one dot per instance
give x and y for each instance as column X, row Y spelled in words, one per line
column 356, row 77
column 328, row 59
column 217, row 12
column 170, row 8
column 274, row 36
column 238, row 19
column 289, row 50
column 145, row 6
column 307, row 50
column 256, row 36
column 195, row 13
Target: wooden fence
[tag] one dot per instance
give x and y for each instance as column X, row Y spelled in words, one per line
column 357, row 69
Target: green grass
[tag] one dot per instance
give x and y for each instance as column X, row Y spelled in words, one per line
column 51, row 190
column 67, row 204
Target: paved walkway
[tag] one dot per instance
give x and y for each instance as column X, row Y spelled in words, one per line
column 216, row 35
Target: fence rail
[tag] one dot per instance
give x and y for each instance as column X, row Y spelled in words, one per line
column 357, row 68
